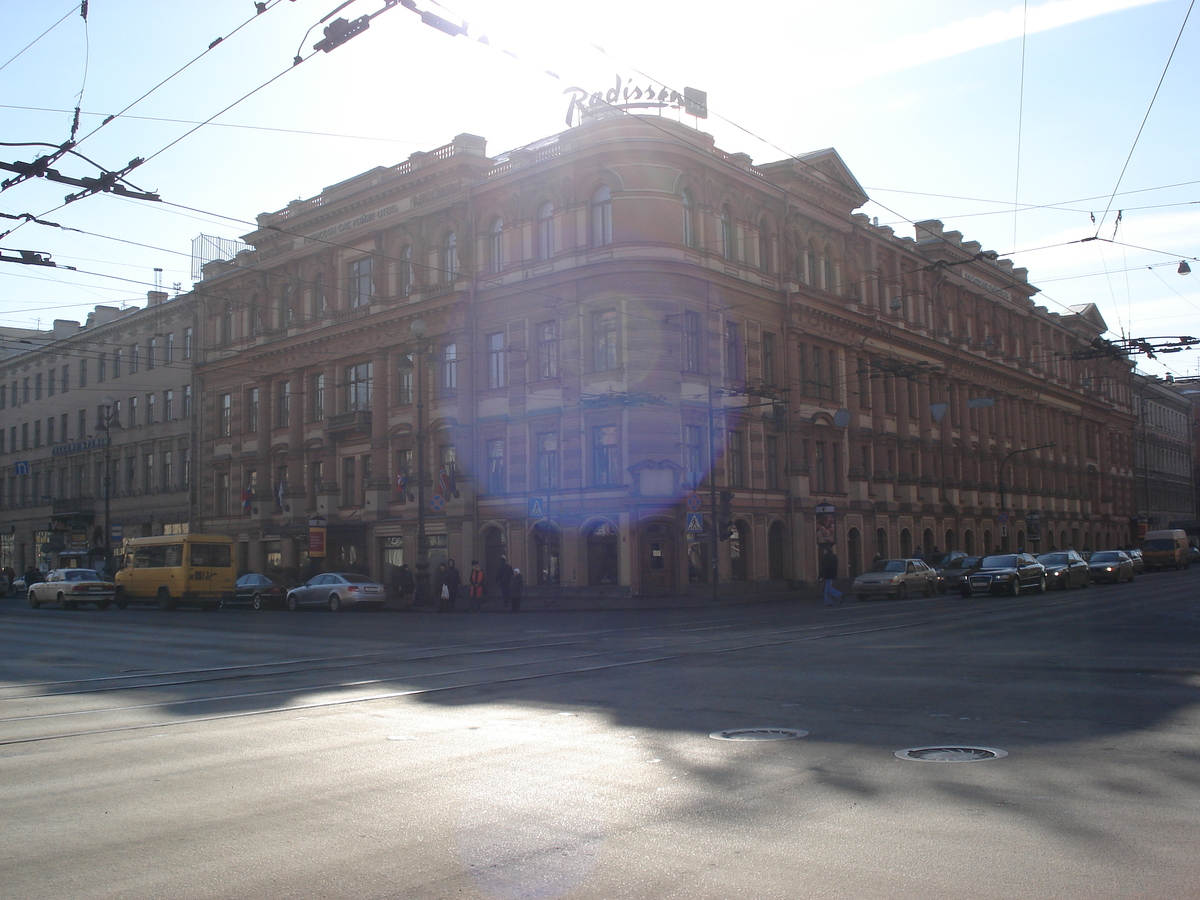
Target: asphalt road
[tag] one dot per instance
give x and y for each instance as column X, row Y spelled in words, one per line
column 552, row 754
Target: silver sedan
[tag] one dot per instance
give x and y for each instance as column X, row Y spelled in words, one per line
column 338, row 590
column 895, row 578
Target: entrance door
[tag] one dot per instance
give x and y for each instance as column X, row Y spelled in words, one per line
column 658, row 561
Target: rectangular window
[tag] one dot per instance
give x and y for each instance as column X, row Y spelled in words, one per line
column 449, row 369
column 166, row 485
column 147, row 473
column 133, row 412
column 604, row 340
column 168, row 406
column 116, row 364
column 358, row 386
column 497, row 360
column 134, row 356
column 693, row 454
column 63, row 421
column 546, row 476
column 819, row 469
column 187, row 343
column 547, row 350
column 82, row 423
column 734, row 368
column 169, row 349
column 771, row 461
column 404, row 467
column 37, row 433
column 83, row 373
column 692, row 335
column 66, row 379
column 283, row 404
column 349, row 476
column 186, row 404
column 24, row 435
column 735, row 458
column 49, row 431
column 185, row 469
column 224, row 414
column 151, row 352
column 605, row 455
column 50, row 386
column 149, row 409
column 768, row 358
column 495, row 466
column 102, row 367
column 361, row 286
column 251, row 411
column 25, row 390
column 317, row 408
column 316, row 471
column 37, row 386
column 404, row 385
column 221, row 501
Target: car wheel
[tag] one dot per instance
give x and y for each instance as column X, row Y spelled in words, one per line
column 1015, row 587
column 65, row 603
column 122, row 600
column 256, row 601
column 103, row 604
column 164, row 600
column 335, row 603
column 293, row 603
column 33, row 600
column 929, row 591
column 1042, row 585
column 902, row 592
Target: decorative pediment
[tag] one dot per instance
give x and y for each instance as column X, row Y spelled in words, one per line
column 656, row 478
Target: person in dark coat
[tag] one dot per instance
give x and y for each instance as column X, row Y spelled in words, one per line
column 504, row 574
column 452, row 581
column 403, row 584
column 516, row 586
column 827, row 573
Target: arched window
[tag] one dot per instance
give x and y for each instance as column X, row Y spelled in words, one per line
column 496, row 246
column 320, row 305
column 728, row 248
column 545, row 231
column 764, row 245
column 689, row 220
column 404, row 272
column 449, row 264
column 602, row 217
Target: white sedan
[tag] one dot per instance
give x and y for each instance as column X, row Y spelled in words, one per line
column 895, row 578
column 70, row 587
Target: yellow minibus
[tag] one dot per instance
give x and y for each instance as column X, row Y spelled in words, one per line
column 194, row 569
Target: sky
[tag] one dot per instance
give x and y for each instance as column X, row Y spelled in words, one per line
column 1027, row 126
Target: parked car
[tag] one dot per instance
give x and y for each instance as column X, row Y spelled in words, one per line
column 1139, row 564
column 895, row 578
column 1110, row 565
column 70, row 587
column 1193, row 554
column 1006, row 573
column 951, row 575
column 1064, row 569
column 338, row 590
column 259, row 591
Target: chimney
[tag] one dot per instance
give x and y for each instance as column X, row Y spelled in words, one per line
column 156, row 297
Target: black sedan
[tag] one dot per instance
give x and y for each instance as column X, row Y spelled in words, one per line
column 1006, row 573
column 1110, row 565
column 952, row 575
column 1065, row 569
column 259, row 591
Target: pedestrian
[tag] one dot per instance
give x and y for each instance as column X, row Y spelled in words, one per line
column 478, row 585
column 452, row 583
column 515, row 586
column 828, row 572
column 32, row 576
column 441, row 590
column 504, row 574
column 403, row 584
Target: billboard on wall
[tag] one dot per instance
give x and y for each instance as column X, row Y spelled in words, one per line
column 826, row 525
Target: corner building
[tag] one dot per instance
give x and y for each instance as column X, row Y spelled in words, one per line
column 627, row 331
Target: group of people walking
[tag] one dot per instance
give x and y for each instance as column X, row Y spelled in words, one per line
column 447, row 583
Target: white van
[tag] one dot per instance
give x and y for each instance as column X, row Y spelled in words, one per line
column 1166, row 549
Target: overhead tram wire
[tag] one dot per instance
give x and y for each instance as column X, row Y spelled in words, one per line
column 1146, row 117
column 73, row 7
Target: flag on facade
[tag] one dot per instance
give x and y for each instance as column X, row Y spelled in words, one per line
column 279, row 496
column 447, row 482
column 401, row 482
column 247, row 497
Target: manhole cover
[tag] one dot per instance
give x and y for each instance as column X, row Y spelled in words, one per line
column 758, row 734
column 950, row 754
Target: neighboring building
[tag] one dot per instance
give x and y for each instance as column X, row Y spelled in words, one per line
column 1164, row 454
column 53, row 440
column 612, row 316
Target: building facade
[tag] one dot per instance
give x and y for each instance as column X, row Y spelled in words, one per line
column 634, row 364
column 115, row 396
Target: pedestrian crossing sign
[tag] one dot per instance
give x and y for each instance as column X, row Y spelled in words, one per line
column 537, row 507
column 695, row 523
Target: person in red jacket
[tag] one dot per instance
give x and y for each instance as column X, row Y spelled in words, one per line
column 478, row 584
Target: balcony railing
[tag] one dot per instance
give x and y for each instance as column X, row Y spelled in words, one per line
column 342, row 423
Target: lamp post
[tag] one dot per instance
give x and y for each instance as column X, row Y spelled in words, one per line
column 106, row 424
column 420, row 348
column 1000, row 476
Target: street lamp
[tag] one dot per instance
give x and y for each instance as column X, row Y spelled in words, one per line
column 1000, row 475
column 420, row 348
column 109, row 418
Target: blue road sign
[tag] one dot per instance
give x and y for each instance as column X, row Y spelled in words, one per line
column 695, row 522
column 537, row 507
